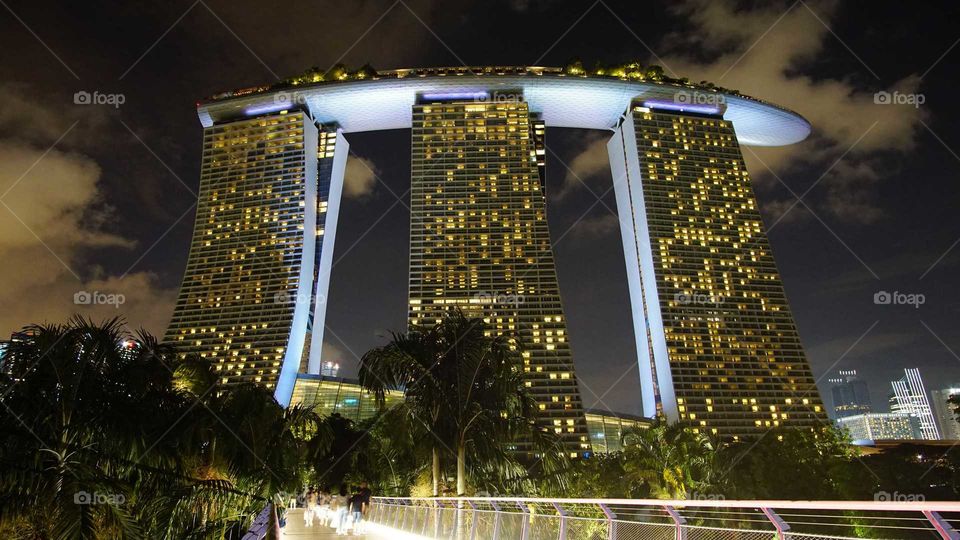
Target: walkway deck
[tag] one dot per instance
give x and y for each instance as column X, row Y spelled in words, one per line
column 296, row 529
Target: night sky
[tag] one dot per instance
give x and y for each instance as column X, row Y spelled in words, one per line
column 100, row 197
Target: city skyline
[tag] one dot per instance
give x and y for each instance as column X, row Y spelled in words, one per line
column 858, row 212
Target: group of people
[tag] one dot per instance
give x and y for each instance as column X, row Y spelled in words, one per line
column 344, row 510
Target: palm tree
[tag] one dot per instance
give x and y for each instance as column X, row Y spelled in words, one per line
column 672, row 460
column 462, row 385
column 95, row 415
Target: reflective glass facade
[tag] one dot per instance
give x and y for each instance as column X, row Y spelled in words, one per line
column 479, row 240
column 880, row 426
column 606, row 429
column 716, row 339
column 329, row 395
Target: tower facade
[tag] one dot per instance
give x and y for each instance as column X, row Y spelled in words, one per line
column 850, row 394
column 479, row 239
column 943, row 411
column 910, row 397
column 716, row 341
column 253, row 295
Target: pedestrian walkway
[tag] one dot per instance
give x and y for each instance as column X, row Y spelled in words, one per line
column 296, row 529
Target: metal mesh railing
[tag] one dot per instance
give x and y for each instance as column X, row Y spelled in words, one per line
column 624, row 519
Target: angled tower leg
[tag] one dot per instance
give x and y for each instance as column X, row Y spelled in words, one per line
column 641, row 279
column 332, row 157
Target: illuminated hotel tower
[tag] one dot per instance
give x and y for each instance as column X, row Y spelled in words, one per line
column 716, row 341
column 479, row 239
column 262, row 248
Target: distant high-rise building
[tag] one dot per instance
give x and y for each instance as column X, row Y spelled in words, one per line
column 943, row 411
column 329, row 369
column 717, row 343
column 910, row 397
column 850, row 394
column 880, row 426
column 257, row 260
column 479, row 239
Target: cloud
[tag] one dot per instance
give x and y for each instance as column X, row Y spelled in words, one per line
column 586, row 165
column 783, row 211
column 597, row 226
column 763, row 55
column 768, row 52
column 334, row 353
column 360, row 177
column 53, row 223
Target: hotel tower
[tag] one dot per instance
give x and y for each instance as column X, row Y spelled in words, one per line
column 716, row 341
column 479, row 239
column 253, row 296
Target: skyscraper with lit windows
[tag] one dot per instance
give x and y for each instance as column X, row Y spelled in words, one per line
column 257, row 274
column 850, row 394
column 910, row 397
column 716, row 340
column 479, row 239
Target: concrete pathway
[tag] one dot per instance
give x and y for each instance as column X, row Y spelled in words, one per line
column 296, row 529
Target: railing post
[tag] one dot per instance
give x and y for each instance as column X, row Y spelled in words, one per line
column 941, row 525
column 473, row 524
column 426, row 518
column 406, row 507
column 611, row 524
column 525, row 531
column 781, row 525
column 678, row 521
column 496, row 520
column 396, row 517
column 437, row 527
column 563, row 521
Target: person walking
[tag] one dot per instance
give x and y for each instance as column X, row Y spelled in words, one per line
column 340, row 505
column 310, row 502
column 324, row 502
column 359, row 506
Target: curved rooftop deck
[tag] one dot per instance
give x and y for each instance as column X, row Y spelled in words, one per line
column 386, row 100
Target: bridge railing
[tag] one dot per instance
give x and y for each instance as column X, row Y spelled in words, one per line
column 483, row 518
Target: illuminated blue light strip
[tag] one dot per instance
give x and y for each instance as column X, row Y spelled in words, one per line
column 272, row 107
column 455, row 95
column 681, row 107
